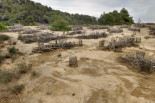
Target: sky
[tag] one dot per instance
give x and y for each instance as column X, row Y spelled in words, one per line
column 143, row 9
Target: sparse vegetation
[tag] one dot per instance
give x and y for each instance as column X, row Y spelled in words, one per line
column 16, row 89
column 15, row 73
column 3, row 27
column 5, row 76
column 13, row 50
column 4, row 37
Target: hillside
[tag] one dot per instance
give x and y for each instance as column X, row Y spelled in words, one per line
column 29, row 13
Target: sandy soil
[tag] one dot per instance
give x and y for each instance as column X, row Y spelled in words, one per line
column 99, row 77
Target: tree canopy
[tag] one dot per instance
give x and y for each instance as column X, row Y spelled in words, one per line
column 29, row 13
column 116, row 18
column 60, row 25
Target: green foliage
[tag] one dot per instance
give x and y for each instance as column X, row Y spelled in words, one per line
column 59, row 55
column 116, row 18
column 60, row 25
column 28, row 12
column 4, row 37
column 13, row 50
column 3, row 27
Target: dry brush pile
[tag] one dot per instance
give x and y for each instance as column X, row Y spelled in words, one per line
column 134, row 29
column 40, row 37
column 139, row 62
column 54, row 46
column 97, row 27
column 152, row 30
column 115, row 30
column 15, row 28
column 95, row 35
column 119, row 43
column 44, row 27
column 75, row 32
column 77, row 27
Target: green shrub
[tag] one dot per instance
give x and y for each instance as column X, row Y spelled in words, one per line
column 16, row 89
column 60, row 25
column 13, row 50
column 59, row 55
column 3, row 27
column 4, row 37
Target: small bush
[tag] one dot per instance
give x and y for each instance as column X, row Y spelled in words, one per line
column 16, row 89
column 24, row 68
column 15, row 73
column 138, row 62
column 59, row 55
column 3, row 27
column 5, row 76
column 14, row 43
column 60, row 25
column 13, row 50
column 4, row 37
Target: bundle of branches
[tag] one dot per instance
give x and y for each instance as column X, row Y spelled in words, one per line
column 41, row 37
column 15, row 28
column 134, row 29
column 125, row 26
column 139, row 62
column 95, row 27
column 76, row 27
column 29, row 31
column 95, row 35
column 120, row 42
column 56, row 45
column 115, row 30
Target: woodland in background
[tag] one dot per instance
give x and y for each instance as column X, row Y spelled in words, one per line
column 28, row 12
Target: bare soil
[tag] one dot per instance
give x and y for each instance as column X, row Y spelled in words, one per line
column 99, row 77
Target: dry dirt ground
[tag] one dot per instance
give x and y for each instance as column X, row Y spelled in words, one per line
column 99, row 77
